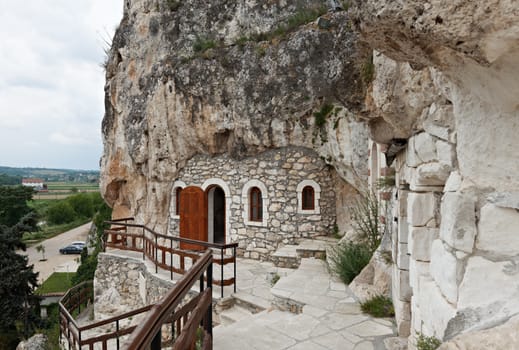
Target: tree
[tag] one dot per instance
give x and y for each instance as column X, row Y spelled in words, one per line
column 41, row 249
column 82, row 204
column 60, row 213
column 18, row 303
column 87, row 268
column 13, row 204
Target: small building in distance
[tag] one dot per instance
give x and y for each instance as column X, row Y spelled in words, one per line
column 35, row 183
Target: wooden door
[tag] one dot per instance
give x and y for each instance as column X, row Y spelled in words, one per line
column 193, row 217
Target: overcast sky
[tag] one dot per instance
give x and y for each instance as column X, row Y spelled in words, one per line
column 51, row 81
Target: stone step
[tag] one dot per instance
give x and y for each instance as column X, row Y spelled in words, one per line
column 286, row 256
column 234, row 314
column 290, row 255
column 250, row 302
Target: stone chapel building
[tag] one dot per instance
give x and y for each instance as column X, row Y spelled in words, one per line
column 277, row 197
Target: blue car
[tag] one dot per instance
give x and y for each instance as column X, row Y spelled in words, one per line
column 71, row 249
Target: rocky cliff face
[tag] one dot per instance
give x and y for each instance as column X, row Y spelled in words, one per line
column 189, row 77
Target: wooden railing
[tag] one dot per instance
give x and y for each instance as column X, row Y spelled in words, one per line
column 162, row 250
column 185, row 317
column 185, row 320
column 77, row 336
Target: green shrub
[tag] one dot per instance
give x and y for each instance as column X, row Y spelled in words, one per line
column 321, row 115
column 368, row 70
column 378, row 306
column 305, row 15
column 203, row 44
column 427, row 343
column 365, row 215
column 349, row 259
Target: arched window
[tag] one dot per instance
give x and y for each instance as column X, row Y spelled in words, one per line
column 255, row 201
column 308, row 195
column 177, row 200
column 256, row 205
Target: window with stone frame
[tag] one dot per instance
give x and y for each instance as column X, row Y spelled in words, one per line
column 308, row 198
column 255, row 204
column 177, row 200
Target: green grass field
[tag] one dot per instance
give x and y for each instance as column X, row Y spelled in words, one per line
column 56, row 283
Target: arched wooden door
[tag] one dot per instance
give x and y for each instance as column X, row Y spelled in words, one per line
column 193, row 216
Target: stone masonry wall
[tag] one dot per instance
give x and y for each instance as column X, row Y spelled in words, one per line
column 123, row 284
column 281, row 171
column 455, row 242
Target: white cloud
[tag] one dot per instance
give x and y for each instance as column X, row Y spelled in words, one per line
column 51, row 82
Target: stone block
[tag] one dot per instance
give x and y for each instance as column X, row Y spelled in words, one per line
column 402, row 259
column 446, row 271
column 403, row 230
column 417, row 269
column 400, row 285
column 430, row 174
column 421, row 149
column 498, row 230
column 402, row 203
column 458, row 224
column 420, row 242
column 420, row 208
column 453, row 183
column 435, row 310
column 445, row 153
column 402, row 310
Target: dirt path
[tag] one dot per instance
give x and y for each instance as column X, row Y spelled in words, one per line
column 56, row 262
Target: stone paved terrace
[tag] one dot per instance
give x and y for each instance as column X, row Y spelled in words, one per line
column 327, row 313
column 329, row 318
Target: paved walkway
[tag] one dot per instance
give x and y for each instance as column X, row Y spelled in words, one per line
column 329, row 318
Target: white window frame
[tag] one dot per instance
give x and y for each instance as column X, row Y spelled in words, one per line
column 317, row 196
column 173, row 206
column 246, row 204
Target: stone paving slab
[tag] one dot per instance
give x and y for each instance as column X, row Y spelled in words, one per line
column 329, row 318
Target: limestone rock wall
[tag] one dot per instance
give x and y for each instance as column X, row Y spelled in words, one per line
column 196, row 77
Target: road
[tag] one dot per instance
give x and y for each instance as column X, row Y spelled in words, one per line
column 56, row 262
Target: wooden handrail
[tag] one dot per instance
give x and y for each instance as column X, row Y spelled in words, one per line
column 146, row 332
column 145, row 241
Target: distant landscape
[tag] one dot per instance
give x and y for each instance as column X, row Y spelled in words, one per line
column 48, row 175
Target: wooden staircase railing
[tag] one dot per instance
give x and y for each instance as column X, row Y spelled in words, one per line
column 190, row 320
column 164, row 252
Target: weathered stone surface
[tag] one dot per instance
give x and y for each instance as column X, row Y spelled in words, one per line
column 417, row 269
column 498, row 230
column 453, row 183
column 420, row 208
column 430, row 174
column 446, row 271
column 374, row 279
column 435, row 311
column 458, row 225
column 500, row 337
column 478, row 289
column 36, row 342
column 401, row 289
column 420, row 242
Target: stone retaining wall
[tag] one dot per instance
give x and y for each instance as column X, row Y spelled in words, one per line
column 124, row 284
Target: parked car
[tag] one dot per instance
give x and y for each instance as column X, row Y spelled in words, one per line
column 72, row 249
column 79, row 244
